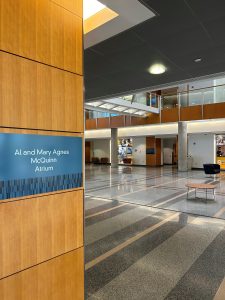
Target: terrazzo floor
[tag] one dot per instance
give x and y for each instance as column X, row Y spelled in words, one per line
column 145, row 240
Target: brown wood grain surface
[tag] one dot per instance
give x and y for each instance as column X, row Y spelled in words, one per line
column 42, row 31
column 169, row 115
column 213, row 111
column 41, row 92
column 191, row 113
column 38, row 229
column 74, row 6
column 57, row 279
column 33, row 95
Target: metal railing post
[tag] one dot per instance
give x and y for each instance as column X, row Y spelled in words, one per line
column 160, row 108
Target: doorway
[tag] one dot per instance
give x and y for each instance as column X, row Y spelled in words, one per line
column 170, row 151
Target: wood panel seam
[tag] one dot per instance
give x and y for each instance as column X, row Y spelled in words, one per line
column 42, row 63
column 43, row 262
column 41, row 195
column 41, row 129
column 66, row 9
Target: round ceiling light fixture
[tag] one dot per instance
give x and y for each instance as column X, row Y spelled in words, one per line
column 197, row 60
column 157, row 69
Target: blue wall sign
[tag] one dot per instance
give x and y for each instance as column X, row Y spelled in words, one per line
column 34, row 164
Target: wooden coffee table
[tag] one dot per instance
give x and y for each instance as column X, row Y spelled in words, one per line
column 201, row 186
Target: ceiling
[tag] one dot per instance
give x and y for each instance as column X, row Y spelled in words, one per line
column 125, row 19
column 182, row 31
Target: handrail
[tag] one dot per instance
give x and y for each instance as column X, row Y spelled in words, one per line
column 188, row 91
column 183, row 92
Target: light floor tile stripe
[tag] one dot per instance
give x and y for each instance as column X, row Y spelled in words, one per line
column 204, row 277
column 106, row 210
column 103, row 273
column 109, row 215
column 101, row 199
column 171, row 199
column 93, row 203
column 102, row 207
column 157, row 273
column 178, row 196
column 103, row 245
column 151, row 187
column 219, row 213
column 220, row 294
column 104, row 228
column 129, row 241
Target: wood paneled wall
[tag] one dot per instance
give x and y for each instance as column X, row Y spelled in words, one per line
column 91, row 124
column 170, row 115
column 41, row 92
column 39, row 96
column 153, row 159
column 216, row 110
column 44, row 31
column 103, row 123
column 55, row 279
column 191, row 113
column 118, row 121
column 138, row 121
column 87, row 151
column 153, row 118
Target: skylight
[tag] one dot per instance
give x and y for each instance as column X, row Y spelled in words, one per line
column 91, row 7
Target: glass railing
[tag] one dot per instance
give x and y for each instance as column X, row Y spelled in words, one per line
column 145, row 98
column 93, row 114
column 209, row 95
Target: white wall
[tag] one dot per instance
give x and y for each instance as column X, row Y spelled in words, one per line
column 202, row 148
column 101, row 148
column 213, row 126
column 139, row 151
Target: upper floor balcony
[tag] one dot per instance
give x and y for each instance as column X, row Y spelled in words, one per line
column 158, row 107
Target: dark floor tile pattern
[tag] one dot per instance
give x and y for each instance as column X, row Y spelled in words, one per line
column 204, row 277
column 98, row 276
column 105, row 206
column 111, row 241
column 108, row 214
column 117, row 271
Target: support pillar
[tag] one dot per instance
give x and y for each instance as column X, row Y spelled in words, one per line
column 114, row 147
column 182, row 147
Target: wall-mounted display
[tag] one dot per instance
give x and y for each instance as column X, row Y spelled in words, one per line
column 150, row 151
column 34, row 164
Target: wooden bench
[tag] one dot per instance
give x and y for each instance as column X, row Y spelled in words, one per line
column 201, row 186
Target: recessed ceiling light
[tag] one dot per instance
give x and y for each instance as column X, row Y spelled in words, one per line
column 91, row 7
column 107, row 106
column 157, row 69
column 95, row 104
column 119, row 108
column 130, row 110
column 197, row 60
column 140, row 113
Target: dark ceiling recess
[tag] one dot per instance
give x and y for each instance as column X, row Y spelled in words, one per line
column 146, row 4
column 182, row 31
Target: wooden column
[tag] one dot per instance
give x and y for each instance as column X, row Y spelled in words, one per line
column 41, row 92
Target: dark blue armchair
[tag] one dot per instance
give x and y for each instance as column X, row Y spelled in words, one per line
column 211, row 169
